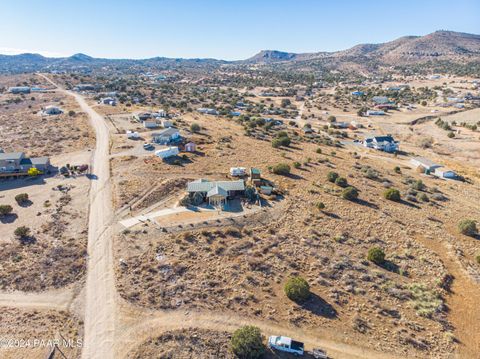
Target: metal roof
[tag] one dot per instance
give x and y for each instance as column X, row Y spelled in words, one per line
column 217, row 191
column 425, row 162
column 11, row 156
column 40, row 160
column 165, row 132
column 203, row 185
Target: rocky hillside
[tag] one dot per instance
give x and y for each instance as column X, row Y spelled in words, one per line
column 440, row 45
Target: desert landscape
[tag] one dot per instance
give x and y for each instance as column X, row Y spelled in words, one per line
column 321, row 204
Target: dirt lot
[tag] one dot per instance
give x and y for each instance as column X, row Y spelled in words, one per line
column 399, row 307
column 30, row 334
column 54, row 254
column 24, row 129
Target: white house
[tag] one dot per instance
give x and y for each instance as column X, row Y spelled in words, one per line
column 381, row 143
column 160, row 113
column 167, row 152
column 207, row 111
column 150, row 124
column 108, row 101
column 52, row 110
column 425, row 163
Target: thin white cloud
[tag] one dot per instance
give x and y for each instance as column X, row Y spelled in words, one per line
column 14, row 51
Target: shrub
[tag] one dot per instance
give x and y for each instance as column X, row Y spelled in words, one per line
column 21, row 198
column 71, row 113
column 282, row 141
column 247, row 343
column 392, row 194
column 297, row 289
column 22, row 232
column 397, row 170
column 297, row 164
column 468, row 227
column 320, row 205
column 332, row 176
column 341, row 181
column 376, row 255
column 281, row 169
column 195, row 127
column 418, row 185
column 319, row 150
column 5, row 209
column 477, row 258
column 423, row 197
column 350, row 193
column 451, row 134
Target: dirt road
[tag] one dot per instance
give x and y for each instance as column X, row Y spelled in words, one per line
column 59, row 299
column 100, row 284
column 107, row 321
column 147, row 324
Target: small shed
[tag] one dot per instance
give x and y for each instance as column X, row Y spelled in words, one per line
column 132, row 135
column 445, row 173
column 190, row 147
column 167, row 123
column 150, row 124
column 255, row 173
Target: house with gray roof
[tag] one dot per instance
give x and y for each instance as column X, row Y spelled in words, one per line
column 17, row 162
column 216, row 192
column 381, row 143
column 166, row 136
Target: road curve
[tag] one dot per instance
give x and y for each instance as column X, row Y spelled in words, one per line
column 100, row 284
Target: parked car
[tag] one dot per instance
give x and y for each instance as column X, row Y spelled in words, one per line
column 148, row 146
column 286, row 344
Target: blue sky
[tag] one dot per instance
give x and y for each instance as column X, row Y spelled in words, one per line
column 227, row 29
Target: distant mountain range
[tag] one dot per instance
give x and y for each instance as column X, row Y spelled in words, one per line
column 443, row 45
column 450, row 46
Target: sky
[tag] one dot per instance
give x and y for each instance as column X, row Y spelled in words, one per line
column 228, row 29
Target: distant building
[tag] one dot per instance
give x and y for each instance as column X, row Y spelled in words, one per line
column 17, row 162
column 425, row 163
column 140, row 117
column 150, row 124
column 133, row 135
column 445, row 173
column 381, row 143
column 190, row 147
column 167, row 152
column 207, row 111
column 167, row 123
column 108, row 101
column 166, row 136
column 19, row 89
column 380, row 100
column 375, row 113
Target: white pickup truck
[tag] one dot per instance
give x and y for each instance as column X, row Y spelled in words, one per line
column 286, row 344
